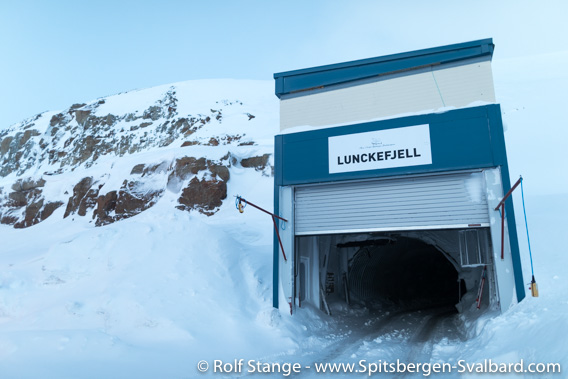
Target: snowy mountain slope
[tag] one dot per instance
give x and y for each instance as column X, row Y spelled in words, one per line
column 73, row 295
column 154, row 291
column 182, row 137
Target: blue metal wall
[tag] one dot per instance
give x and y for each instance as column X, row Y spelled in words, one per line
column 461, row 139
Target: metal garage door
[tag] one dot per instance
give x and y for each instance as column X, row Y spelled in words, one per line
column 425, row 202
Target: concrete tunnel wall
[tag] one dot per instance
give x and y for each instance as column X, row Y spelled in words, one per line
column 416, row 269
column 404, row 270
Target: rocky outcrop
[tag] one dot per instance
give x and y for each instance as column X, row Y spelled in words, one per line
column 16, row 151
column 84, row 197
column 204, row 195
column 37, row 212
column 258, row 163
column 133, row 197
column 201, row 183
column 35, row 153
column 83, row 133
column 185, row 167
column 25, row 205
column 122, row 204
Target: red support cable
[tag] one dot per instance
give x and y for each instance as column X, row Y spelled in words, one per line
column 502, row 202
column 503, row 231
column 502, row 206
column 279, row 240
column 264, row 210
column 274, row 217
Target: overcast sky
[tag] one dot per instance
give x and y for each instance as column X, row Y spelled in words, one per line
column 56, row 53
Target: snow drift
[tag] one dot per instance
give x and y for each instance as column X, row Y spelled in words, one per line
column 113, row 263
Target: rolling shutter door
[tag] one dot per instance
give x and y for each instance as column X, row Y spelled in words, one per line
column 425, row 202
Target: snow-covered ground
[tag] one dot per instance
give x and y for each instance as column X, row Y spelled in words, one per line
column 138, row 298
column 152, row 295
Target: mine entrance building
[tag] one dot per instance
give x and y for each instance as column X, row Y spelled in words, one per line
column 388, row 171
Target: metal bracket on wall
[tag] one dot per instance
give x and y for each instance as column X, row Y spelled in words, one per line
column 501, row 207
column 241, row 207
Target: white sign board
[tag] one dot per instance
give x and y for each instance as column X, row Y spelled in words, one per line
column 400, row 147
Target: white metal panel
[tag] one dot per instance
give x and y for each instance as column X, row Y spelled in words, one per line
column 425, row 202
column 415, row 91
column 285, row 268
column 504, row 271
column 469, row 83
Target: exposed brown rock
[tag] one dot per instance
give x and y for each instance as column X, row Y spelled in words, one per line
column 184, row 126
column 230, row 139
column 138, row 169
column 128, row 205
column 5, row 145
column 259, row 163
column 105, row 205
column 203, row 195
column 220, row 171
column 31, row 213
column 186, row 166
column 108, row 120
column 28, row 184
column 189, row 143
column 83, row 199
column 88, row 147
column 131, row 117
column 81, row 116
column 37, row 212
column 49, row 209
column 17, row 199
column 76, row 106
column 154, row 113
column 57, row 119
column 144, row 170
column 213, row 142
column 69, row 142
column 80, row 134
column 14, row 149
column 8, row 219
column 27, row 198
column 27, row 135
column 118, row 205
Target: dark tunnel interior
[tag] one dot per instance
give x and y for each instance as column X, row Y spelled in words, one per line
column 403, row 271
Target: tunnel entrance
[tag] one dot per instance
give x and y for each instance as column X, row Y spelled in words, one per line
column 403, row 270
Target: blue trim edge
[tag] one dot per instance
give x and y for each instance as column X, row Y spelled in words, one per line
column 321, row 76
column 494, row 116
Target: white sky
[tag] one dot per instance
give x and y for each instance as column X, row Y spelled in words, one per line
column 56, row 53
